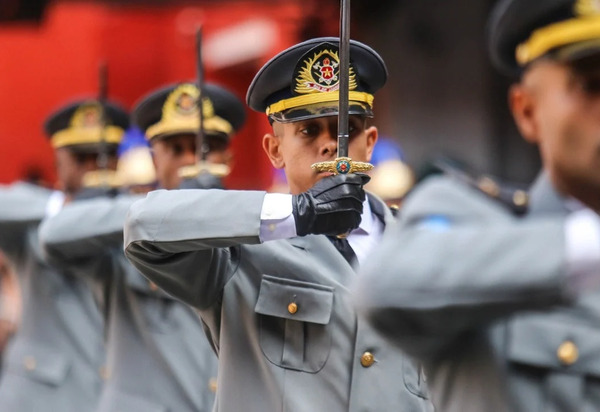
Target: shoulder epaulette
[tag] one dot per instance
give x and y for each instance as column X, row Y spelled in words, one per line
column 515, row 199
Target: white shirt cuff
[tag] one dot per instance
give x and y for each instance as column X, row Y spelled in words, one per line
column 582, row 236
column 276, row 218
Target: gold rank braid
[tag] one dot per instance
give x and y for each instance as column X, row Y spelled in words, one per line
column 337, row 166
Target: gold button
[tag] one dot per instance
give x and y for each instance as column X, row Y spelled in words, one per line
column 212, row 385
column 367, row 359
column 395, row 207
column 567, row 353
column 153, row 287
column 272, row 227
column 103, row 372
column 292, row 308
column 29, row 362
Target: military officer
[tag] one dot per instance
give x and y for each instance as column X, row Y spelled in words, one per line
column 496, row 306
column 55, row 359
column 159, row 358
column 270, row 287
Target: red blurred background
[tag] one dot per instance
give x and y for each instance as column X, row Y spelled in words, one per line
column 47, row 63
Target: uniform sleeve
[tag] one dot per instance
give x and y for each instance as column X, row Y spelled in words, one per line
column 187, row 241
column 21, row 207
column 457, row 261
column 85, row 229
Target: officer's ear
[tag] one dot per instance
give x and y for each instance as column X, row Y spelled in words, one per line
column 272, row 146
column 523, row 106
column 372, row 136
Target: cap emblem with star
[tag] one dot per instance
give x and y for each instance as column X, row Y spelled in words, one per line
column 320, row 73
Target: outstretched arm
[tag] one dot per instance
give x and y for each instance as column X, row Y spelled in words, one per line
column 22, row 206
column 457, row 261
column 186, row 241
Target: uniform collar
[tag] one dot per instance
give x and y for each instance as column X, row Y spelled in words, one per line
column 367, row 222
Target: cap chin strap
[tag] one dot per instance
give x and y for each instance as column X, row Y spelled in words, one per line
column 556, row 35
column 313, row 98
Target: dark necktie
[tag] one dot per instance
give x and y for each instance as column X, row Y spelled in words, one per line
column 343, row 246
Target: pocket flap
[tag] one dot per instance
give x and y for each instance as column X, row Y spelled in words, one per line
column 40, row 363
column 295, row 300
column 555, row 342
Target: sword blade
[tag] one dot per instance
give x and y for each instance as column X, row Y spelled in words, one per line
column 201, row 144
column 102, row 160
column 344, row 103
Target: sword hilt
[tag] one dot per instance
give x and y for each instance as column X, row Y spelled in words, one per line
column 342, row 166
column 215, row 169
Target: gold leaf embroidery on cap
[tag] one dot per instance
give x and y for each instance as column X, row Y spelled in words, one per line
column 587, row 7
column 321, row 74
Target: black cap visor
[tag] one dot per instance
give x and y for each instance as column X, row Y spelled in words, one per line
column 317, row 110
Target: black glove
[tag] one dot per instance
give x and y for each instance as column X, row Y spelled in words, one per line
column 204, row 180
column 332, row 206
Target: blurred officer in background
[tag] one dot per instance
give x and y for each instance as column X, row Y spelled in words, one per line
column 55, row 360
column 392, row 178
column 159, row 358
column 500, row 308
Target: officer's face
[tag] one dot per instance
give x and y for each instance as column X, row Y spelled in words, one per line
column 557, row 106
column 294, row 147
column 71, row 167
column 172, row 153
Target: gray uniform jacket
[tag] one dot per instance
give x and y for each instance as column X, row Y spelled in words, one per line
column 203, row 247
column 159, row 359
column 55, row 358
column 483, row 302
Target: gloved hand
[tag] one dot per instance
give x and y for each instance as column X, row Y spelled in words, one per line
column 204, row 180
column 332, row 206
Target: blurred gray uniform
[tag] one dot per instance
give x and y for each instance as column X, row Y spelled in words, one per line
column 55, row 358
column 461, row 284
column 159, row 358
column 279, row 312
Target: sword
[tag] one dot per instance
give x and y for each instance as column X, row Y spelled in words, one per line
column 102, row 95
column 343, row 164
column 102, row 177
column 202, row 147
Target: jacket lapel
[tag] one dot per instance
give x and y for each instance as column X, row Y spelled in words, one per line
column 380, row 209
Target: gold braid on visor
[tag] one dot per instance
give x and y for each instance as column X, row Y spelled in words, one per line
column 188, row 124
column 308, row 99
column 556, row 35
column 86, row 135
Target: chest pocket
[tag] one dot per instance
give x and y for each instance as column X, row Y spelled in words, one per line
column 554, row 361
column 293, row 323
column 39, row 363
